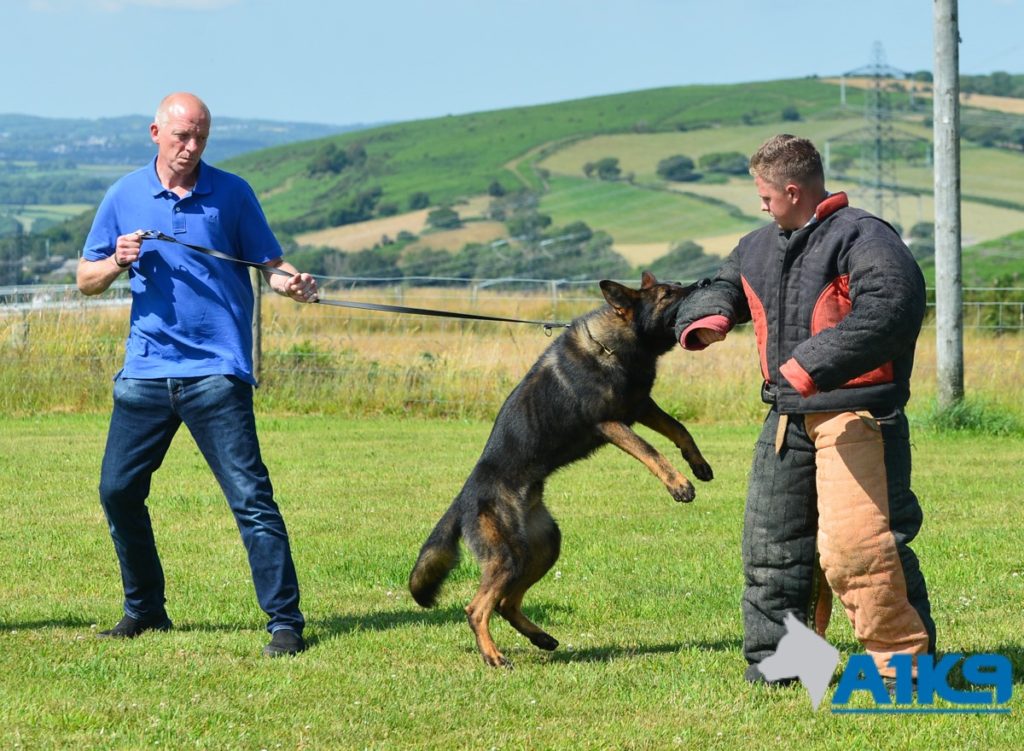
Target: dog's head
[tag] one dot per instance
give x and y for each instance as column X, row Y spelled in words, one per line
column 650, row 310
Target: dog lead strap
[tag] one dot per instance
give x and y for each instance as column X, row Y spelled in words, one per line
column 548, row 325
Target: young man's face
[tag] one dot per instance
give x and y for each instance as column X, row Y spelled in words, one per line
column 780, row 203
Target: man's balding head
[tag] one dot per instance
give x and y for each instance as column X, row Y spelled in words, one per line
column 183, row 105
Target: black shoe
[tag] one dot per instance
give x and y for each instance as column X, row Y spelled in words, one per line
column 754, row 676
column 129, row 628
column 284, row 642
column 890, row 686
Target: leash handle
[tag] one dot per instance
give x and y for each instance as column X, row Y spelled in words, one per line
column 152, row 234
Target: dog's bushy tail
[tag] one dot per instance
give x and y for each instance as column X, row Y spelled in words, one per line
column 438, row 556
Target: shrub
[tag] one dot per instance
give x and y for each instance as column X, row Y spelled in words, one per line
column 328, row 159
column 729, row 162
column 444, row 218
column 791, row 114
column 685, row 261
column 606, row 169
column 677, row 168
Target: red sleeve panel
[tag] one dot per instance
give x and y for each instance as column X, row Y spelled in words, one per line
column 760, row 323
column 832, row 306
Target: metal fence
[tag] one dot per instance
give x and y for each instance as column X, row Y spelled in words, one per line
column 998, row 309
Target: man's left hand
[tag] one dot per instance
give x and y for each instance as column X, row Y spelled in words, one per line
column 302, row 288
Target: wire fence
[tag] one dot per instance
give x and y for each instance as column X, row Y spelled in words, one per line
column 997, row 309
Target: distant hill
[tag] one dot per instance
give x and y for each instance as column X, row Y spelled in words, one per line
column 577, row 189
column 125, row 140
column 52, row 168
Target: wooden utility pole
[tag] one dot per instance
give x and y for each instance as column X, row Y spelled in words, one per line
column 949, row 318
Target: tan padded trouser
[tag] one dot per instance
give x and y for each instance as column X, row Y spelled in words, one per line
column 855, row 541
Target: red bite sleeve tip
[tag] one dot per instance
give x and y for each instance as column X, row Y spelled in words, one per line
column 689, row 340
column 798, row 378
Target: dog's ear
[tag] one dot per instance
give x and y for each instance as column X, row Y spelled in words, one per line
column 620, row 297
column 647, row 280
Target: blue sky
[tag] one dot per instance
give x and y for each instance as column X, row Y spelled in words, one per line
column 343, row 62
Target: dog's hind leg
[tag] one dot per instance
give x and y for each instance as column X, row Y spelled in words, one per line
column 658, row 419
column 493, row 585
column 544, row 543
column 498, row 570
column 623, row 436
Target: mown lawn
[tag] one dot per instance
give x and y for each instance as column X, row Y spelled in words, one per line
column 645, row 602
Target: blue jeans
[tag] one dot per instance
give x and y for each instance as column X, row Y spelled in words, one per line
column 218, row 411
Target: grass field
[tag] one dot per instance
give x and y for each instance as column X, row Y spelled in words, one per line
column 28, row 215
column 633, row 215
column 359, row 235
column 645, row 602
column 988, row 175
column 369, row 425
column 640, row 153
column 979, row 222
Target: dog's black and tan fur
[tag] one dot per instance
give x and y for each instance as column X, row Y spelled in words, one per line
column 586, row 390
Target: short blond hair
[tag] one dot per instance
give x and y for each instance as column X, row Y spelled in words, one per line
column 785, row 159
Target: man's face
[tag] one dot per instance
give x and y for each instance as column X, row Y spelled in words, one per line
column 780, row 203
column 181, row 140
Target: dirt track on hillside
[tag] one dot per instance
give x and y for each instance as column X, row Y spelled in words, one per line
column 361, row 235
column 1006, row 104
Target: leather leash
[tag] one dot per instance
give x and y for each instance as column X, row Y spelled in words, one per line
column 548, row 325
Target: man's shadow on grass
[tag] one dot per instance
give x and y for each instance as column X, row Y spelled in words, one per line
column 1015, row 654
column 613, row 653
column 44, row 623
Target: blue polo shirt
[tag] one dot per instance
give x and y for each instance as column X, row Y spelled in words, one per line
column 191, row 313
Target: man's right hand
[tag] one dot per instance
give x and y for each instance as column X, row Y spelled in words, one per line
column 127, row 249
column 95, row 277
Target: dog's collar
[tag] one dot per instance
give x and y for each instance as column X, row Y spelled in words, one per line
column 606, row 350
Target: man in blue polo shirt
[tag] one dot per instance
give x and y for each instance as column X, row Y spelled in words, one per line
column 188, row 359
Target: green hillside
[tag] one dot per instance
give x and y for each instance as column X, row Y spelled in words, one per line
column 578, row 188
column 996, row 263
column 547, row 149
column 454, row 157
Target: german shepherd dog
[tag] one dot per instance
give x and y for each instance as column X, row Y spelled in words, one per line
column 584, row 391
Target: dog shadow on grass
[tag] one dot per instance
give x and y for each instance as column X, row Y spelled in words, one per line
column 385, row 620
column 543, row 614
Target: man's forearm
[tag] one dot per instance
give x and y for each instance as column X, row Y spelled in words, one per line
column 95, row 277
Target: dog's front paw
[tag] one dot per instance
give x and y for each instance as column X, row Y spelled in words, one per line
column 702, row 471
column 682, row 492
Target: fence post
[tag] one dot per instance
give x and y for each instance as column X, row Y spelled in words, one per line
column 19, row 331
